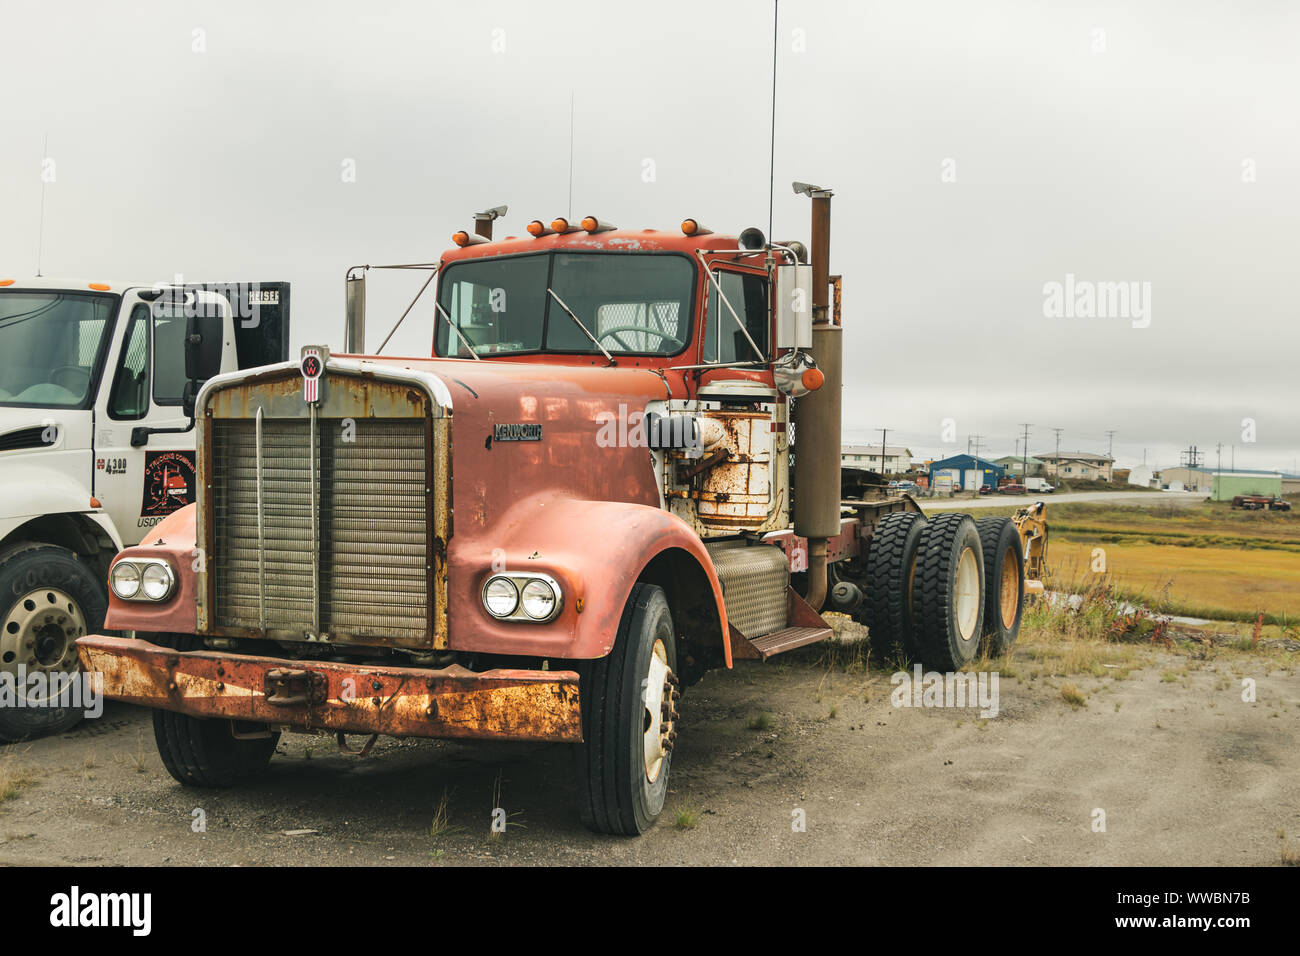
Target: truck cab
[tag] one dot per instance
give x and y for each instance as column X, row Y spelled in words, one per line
column 96, row 447
column 577, row 504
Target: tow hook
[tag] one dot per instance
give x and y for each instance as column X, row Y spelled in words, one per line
column 289, row 687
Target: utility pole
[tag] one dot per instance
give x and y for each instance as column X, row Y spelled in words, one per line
column 1110, row 453
column 1056, row 467
column 978, row 469
column 1218, row 448
column 883, row 433
column 1024, row 465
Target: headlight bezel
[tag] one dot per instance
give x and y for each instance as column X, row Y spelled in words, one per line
column 139, row 567
column 519, row 581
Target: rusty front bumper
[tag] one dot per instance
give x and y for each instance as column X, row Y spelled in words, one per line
column 324, row 695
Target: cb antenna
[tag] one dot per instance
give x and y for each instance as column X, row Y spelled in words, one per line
column 771, row 163
column 40, row 229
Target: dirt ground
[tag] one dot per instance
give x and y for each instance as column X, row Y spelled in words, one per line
column 1185, row 772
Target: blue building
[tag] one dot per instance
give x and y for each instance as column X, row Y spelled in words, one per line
column 966, row 471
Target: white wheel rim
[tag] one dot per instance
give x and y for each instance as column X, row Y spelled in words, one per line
column 658, row 692
column 966, row 600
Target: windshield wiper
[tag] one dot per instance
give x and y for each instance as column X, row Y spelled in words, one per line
column 459, row 334
column 552, row 294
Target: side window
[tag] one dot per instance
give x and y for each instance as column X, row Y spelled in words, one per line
column 748, row 296
column 130, row 396
column 168, row 359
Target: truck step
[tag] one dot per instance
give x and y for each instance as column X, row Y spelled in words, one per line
column 778, row 642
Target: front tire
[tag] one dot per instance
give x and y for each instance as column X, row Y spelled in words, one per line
column 204, row 751
column 629, row 718
column 49, row 597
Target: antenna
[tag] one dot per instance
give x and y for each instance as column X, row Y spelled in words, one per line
column 570, row 216
column 40, row 233
column 771, row 161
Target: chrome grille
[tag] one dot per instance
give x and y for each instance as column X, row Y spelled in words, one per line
column 371, row 526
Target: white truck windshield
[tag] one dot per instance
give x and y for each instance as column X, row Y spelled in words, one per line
column 51, row 343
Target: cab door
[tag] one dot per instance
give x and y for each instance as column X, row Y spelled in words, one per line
column 140, row 484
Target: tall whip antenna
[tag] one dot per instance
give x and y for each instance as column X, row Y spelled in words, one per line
column 771, row 166
column 40, row 232
column 570, row 154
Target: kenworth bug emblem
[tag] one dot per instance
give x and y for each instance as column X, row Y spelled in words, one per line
column 312, row 365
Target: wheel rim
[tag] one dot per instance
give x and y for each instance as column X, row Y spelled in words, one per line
column 966, row 599
column 658, row 715
column 1010, row 589
column 40, row 633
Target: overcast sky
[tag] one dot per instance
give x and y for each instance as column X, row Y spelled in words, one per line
column 978, row 153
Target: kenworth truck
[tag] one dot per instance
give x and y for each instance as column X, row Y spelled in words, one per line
column 581, row 502
column 95, row 449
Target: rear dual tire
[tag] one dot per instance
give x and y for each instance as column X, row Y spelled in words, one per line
column 948, row 592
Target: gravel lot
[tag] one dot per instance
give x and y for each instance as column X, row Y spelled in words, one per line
column 1185, row 771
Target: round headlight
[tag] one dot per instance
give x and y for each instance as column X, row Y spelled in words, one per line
column 539, row 599
column 501, row 597
column 125, row 580
column 156, row 582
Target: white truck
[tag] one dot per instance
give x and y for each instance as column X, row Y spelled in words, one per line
column 97, row 386
column 1038, row 484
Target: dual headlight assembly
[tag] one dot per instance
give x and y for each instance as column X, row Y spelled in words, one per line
column 522, row 597
column 142, row 580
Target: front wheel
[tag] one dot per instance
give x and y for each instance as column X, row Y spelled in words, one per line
column 49, row 597
column 207, row 751
column 629, row 719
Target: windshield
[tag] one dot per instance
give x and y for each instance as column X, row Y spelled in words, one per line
column 50, row 346
column 631, row 303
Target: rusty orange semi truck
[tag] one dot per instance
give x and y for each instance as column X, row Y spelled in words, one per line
column 619, row 468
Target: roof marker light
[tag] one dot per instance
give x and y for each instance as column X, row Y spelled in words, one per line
column 692, row 227
column 592, row 224
column 464, row 238
column 99, row 286
column 537, row 229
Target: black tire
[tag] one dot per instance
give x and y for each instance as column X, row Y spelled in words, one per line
column 1004, row 582
column 943, row 641
column 887, row 595
column 615, row 792
column 202, row 751
column 67, row 600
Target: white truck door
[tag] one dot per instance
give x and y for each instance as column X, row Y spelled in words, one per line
column 140, row 484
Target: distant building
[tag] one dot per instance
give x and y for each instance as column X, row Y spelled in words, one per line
column 1141, row 475
column 1020, row 466
column 897, row 459
column 1078, row 464
column 965, row 471
column 1226, row 485
column 1186, row 479
column 1290, row 484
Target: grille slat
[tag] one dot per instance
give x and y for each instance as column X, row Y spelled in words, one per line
column 372, row 519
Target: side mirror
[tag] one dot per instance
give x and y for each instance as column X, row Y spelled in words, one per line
column 794, row 307
column 202, row 355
